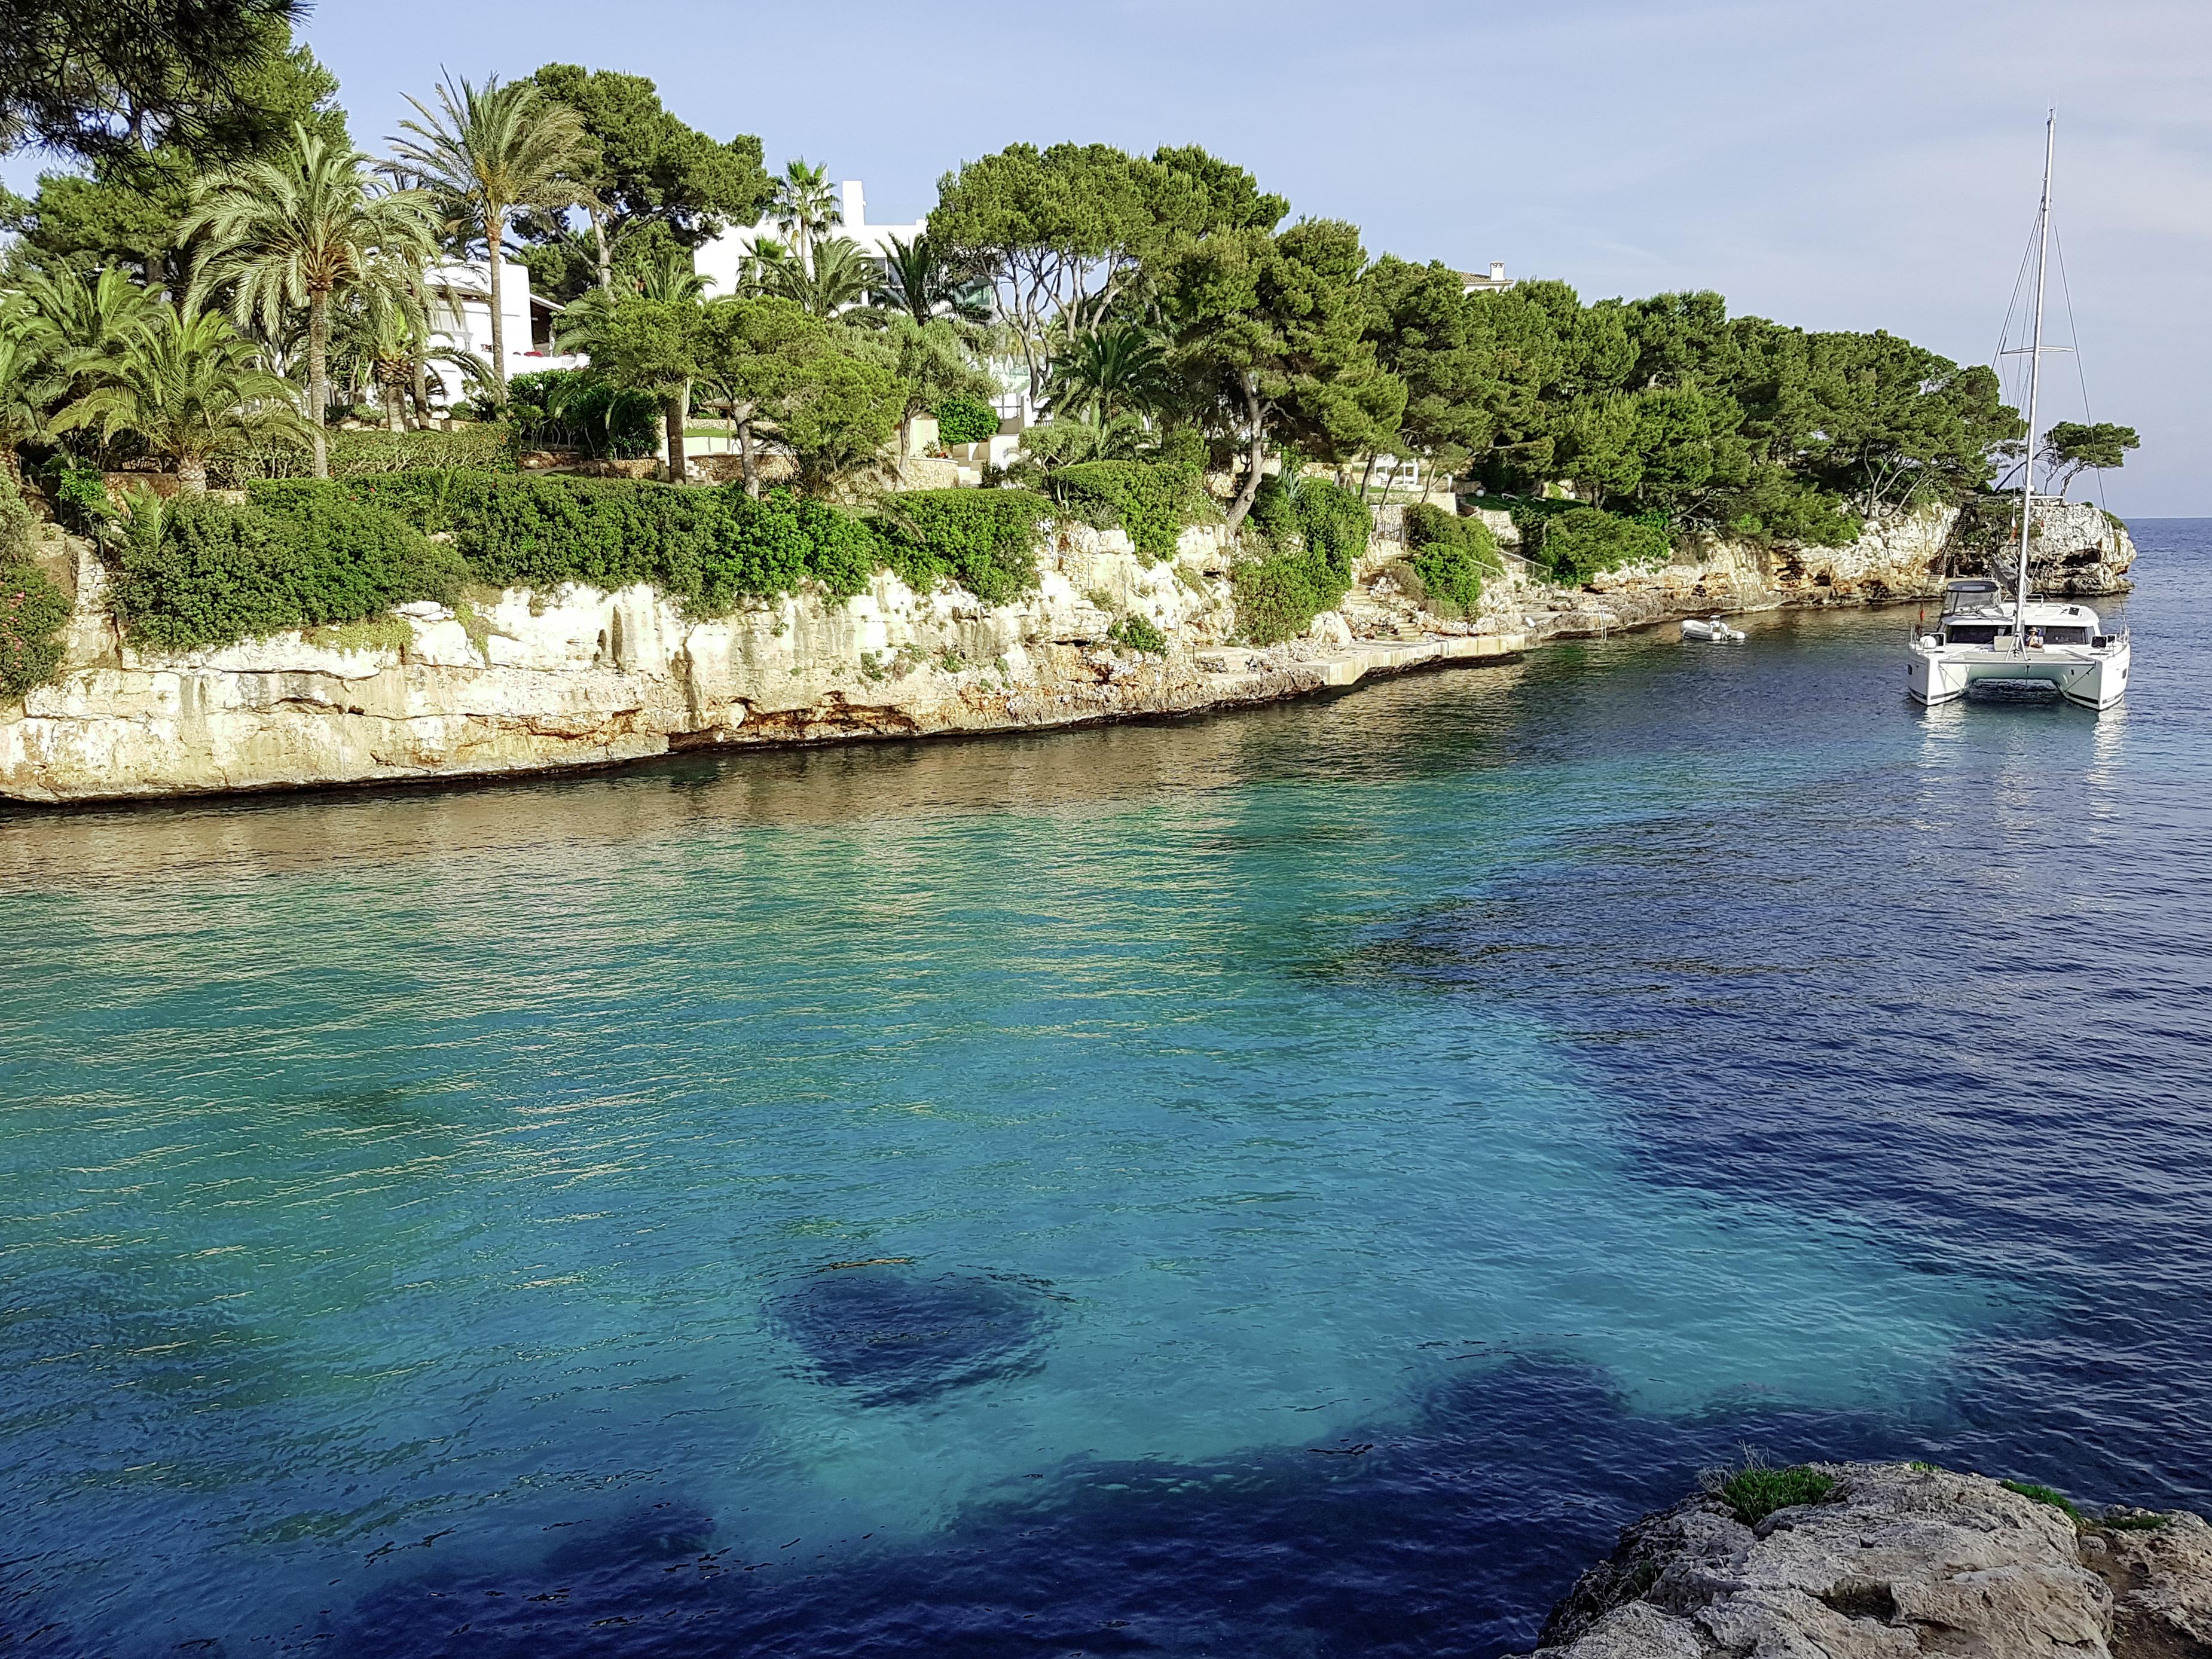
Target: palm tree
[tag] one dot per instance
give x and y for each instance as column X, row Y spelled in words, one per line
column 918, row 281
column 383, row 338
column 28, row 391
column 1109, row 370
column 486, row 152
column 73, row 327
column 805, row 207
column 188, row 386
column 296, row 227
column 841, row 276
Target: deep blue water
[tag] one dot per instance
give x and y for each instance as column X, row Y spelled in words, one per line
column 1287, row 1184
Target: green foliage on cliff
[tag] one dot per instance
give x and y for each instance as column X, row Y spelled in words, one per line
column 488, row 446
column 1755, row 1492
column 1153, row 500
column 2042, row 1494
column 1451, row 556
column 1577, row 544
column 983, row 539
column 32, row 608
column 198, row 573
column 1312, row 532
column 712, row 549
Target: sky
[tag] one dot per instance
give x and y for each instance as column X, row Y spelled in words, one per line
column 1860, row 166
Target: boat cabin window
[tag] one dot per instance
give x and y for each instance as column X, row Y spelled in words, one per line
column 2066, row 636
column 1969, row 596
column 1977, row 633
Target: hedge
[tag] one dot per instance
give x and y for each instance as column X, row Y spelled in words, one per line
column 303, row 553
column 1577, row 544
column 983, row 539
column 963, row 420
column 1153, row 500
column 198, row 573
column 479, row 446
column 1449, row 555
column 32, row 608
column 709, row 548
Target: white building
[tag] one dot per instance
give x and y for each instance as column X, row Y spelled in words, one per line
column 722, row 259
column 1496, row 282
column 460, row 317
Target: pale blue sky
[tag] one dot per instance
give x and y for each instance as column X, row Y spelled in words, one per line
column 1837, row 165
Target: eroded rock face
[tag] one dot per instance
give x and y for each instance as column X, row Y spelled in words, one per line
column 1901, row 1560
column 582, row 677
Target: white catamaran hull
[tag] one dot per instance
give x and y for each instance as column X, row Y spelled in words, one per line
column 2093, row 678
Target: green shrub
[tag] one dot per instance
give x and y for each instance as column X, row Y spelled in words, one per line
column 2055, row 1499
column 984, row 539
column 1293, row 510
column 1451, row 556
column 1279, row 594
column 487, row 446
column 1151, row 500
column 1756, row 1492
column 1574, row 545
column 79, row 494
column 1137, row 634
column 577, row 408
column 32, row 609
column 200, row 573
column 963, row 420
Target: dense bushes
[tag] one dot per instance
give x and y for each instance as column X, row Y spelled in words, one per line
column 578, row 408
column 1576, row 545
column 709, row 548
column 1451, row 556
column 1151, row 500
column 1313, row 531
column 480, row 445
column 983, row 539
column 962, row 420
column 198, row 573
column 32, row 608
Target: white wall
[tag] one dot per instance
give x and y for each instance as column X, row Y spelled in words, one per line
column 460, row 316
column 723, row 259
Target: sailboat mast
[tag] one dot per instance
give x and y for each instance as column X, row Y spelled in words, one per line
column 2034, row 386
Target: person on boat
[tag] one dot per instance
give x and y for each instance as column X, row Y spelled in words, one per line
column 2035, row 639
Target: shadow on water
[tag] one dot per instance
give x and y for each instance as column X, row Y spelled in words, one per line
column 894, row 1336
column 1452, row 1536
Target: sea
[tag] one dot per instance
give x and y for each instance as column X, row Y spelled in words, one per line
column 1283, row 1184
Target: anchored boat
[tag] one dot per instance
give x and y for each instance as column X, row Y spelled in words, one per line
column 1709, row 627
column 1983, row 639
column 1980, row 641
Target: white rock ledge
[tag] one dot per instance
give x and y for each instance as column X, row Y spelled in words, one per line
column 1901, row 1560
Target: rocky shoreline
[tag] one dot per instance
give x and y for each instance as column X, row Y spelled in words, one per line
column 1893, row 1561
column 519, row 682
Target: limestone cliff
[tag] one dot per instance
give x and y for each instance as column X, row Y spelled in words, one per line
column 1898, row 1560
column 521, row 681
column 580, row 677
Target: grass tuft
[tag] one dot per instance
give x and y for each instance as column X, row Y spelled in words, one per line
column 2057, row 1499
column 1754, row 1491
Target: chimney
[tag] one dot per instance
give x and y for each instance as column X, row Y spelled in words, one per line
column 856, row 211
column 1497, row 266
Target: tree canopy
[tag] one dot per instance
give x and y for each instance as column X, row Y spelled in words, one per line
column 645, row 173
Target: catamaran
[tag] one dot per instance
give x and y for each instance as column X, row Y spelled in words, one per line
column 1981, row 638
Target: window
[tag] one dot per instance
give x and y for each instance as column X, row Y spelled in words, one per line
column 1976, row 632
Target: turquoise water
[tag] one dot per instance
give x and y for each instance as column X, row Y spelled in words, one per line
column 1285, row 1183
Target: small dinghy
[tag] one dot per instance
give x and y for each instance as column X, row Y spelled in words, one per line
column 1709, row 627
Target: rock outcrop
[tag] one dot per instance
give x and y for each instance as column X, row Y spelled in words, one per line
column 526, row 681
column 523, row 681
column 1898, row 1560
